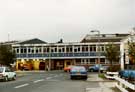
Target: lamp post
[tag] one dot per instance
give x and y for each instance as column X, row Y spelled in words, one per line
column 49, row 66
column 98, row 47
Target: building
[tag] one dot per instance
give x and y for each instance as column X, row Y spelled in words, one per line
column 40, row 55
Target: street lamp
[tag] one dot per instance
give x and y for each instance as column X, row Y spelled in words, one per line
column 98, row 47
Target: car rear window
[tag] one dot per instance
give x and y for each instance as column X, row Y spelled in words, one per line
column 1, row 69
column 78, row 68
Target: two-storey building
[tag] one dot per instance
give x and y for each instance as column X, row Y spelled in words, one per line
column 40, row 55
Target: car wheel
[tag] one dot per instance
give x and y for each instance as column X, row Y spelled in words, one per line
column 14, row 78
column 6, row 78
column 85, row 78
column 91, row 70
column 71, row 77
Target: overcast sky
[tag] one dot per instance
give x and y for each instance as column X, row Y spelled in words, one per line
column 71, row 20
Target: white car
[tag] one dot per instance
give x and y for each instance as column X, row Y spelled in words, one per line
column 6, row 73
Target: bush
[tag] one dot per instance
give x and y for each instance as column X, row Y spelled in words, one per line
column 101, row 76
column 114, row 68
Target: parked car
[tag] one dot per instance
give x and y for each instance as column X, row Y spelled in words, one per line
column 127, row 74
column 6, row 73
column 67, row 69
column 78, row 72
column 96, row 68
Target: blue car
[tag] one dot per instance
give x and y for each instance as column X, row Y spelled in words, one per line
column 78, row 72
column 97, row 67
column 127, row 74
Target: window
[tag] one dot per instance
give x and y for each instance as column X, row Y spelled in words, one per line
column 102, row 48
column 75, row 50
column 63, row 49
column 71, row 49
column 91, row 48
column 29, row 50
column 47, row 49
column 21, row 50
column 55, row 49
column 32, row 50
column 92, row 61
column 17, row 50
column 78, row 49
column 59, row 50
column 85, row 48
column 102, row 61
column 94, row 48
column 36, row 50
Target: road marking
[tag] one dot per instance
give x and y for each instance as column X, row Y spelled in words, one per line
column 52, row 80
column 56, row 76
column 23, row 85
column 48, row 78
column 38, row 81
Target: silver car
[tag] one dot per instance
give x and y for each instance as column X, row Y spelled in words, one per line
column 6, row 73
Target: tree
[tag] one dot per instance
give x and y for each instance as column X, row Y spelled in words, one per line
column 112, row 53
column 7, row 56
column 131, row 48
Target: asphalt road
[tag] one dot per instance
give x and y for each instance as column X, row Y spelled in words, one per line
column 54, row 81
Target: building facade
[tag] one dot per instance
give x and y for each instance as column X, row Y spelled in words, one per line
column 39, row 55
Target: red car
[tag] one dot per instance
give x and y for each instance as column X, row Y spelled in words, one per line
column 67, row 69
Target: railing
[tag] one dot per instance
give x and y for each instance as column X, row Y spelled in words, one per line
column 52, row 55
column 111, row 75
column 122, row 85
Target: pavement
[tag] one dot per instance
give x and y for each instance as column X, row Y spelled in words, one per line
column 104, row 85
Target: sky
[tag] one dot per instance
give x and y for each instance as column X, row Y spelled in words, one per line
column 71, row 20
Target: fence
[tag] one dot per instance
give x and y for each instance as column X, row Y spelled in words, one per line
column 122, row 85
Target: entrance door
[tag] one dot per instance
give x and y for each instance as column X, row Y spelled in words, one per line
column 42, row 66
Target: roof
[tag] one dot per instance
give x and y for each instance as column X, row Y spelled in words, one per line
column 33, row 41
column 104, row 38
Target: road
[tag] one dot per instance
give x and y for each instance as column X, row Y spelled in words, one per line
column 54, row 81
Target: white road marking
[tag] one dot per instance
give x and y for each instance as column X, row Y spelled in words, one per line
column 56, row 76
column 23, row 85
column 48, row 78
column 38, row 81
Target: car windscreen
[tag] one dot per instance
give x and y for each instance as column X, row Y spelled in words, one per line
column 1, row 69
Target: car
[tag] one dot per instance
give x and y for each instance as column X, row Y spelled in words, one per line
column 127, row 74
column 7, row 74
column 67, row 69
column 78, row 72
column 96, row 68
